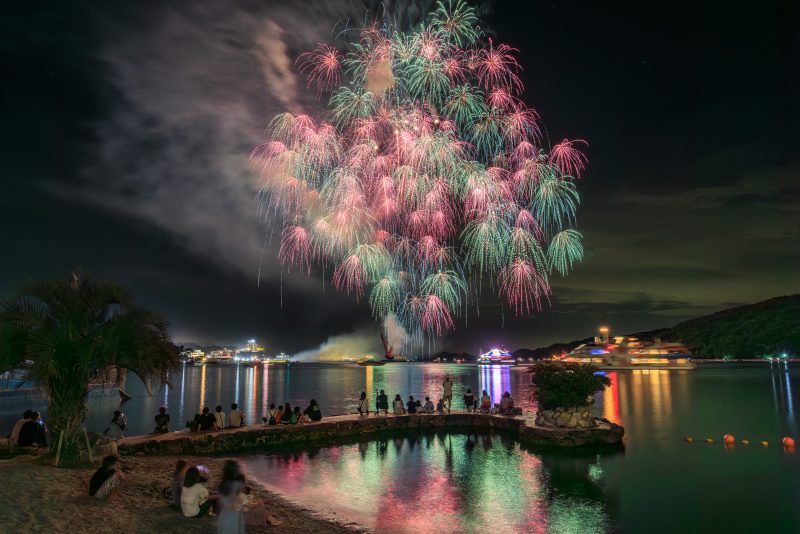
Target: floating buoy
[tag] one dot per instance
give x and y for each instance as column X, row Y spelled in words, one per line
column 788, row 442
column 709, row 440
column 689, row 439
column 765, row 443
column 745, row 442
column 729, row 439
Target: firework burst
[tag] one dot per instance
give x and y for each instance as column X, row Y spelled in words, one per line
column 427, row 177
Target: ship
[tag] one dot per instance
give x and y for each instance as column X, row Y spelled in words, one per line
column 369, row 362
column 250, row 354
column 279, row 359
column 389, row 355
column 496, row 357
column 629, row 352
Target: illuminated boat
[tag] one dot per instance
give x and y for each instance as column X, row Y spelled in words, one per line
column 631, row 353
column 390, row 356
column 280, row 359
column 369, row 362
column 496, row 357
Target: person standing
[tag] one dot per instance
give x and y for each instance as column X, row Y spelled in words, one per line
column 363, row 404
column 236, row 417
column 447, row 396
column 231, row 517
column 382, row 403
column 219, row 418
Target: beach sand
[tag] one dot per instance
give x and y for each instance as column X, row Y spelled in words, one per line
column 38, row 498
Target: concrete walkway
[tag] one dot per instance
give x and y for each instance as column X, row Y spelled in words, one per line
column 263, row 437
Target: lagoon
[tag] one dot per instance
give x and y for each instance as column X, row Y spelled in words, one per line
column 470, row 483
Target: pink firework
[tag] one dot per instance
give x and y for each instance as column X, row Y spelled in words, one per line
column 296, row 248
column 501, row 98
column 496, row 66
column 568, row 158
column 350, row 276
column 323, row 65
column 435, row 318
column 523, row 286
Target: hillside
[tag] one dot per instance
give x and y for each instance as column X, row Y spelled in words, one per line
column 768, row 327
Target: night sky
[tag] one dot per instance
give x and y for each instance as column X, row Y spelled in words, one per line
column 126, row 132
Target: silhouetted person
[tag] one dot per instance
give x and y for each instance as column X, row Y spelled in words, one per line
column 382, row 403
column 236, row 417
column 162, row 421
column 313, row 412
column 206, row 421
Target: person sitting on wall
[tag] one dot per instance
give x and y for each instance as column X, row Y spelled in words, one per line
column 33, row 433
column 397, row 405
column 14, row 437
column 162, row 421
column 313, row 413
column 469, row 399
column 363, row 404
column 280, row 414
column 428, row 408
column 287, row 414
column 382, row 403
column 486, row 402
column 296, row 415
column 205, row 421
column 219, row 418
column 236, row 417
column 411, row 406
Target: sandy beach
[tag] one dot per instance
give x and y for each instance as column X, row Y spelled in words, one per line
column 40, row 498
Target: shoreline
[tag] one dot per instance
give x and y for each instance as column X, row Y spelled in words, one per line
column 38, row 497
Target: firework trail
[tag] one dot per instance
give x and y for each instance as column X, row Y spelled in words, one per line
column 427, row 178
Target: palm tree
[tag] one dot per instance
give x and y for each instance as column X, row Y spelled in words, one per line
column 75, row 331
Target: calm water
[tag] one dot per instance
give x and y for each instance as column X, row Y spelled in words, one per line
column 459, row 483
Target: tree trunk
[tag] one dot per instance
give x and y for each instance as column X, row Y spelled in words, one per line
column 67, row 412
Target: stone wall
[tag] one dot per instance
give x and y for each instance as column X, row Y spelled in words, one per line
column 328, row 431
column 571, row 417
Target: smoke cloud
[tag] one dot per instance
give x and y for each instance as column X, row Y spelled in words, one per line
column 396, row 335
column 355, row 345
column 196, row 84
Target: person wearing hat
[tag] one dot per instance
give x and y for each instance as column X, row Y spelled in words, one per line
column 448, row 392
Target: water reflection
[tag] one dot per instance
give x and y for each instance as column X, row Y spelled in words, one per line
column 495, row 380
column 443, row 483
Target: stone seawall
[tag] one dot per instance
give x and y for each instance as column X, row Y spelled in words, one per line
column 331, row 429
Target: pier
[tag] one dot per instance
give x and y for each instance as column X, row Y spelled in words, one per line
column 331, row 429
